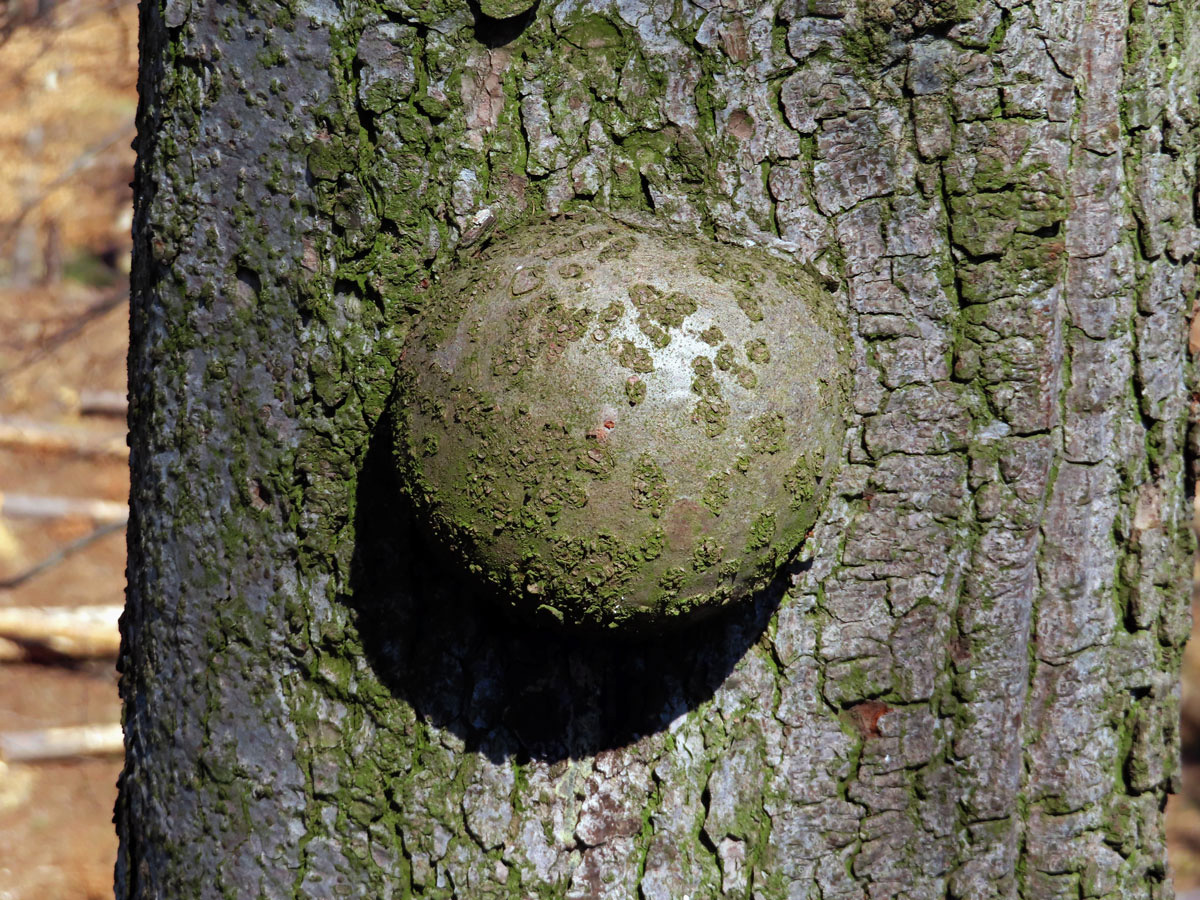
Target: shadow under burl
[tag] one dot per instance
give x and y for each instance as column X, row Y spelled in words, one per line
column 493, row 31
column 507, row 688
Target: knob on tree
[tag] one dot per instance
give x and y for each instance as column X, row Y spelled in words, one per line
column 620, row 427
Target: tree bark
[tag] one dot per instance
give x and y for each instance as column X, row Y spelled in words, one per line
column 967, row 686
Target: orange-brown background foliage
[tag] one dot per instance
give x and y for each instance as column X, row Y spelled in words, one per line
column 67, row 103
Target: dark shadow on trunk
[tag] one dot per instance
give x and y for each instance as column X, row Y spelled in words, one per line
column 507, row 688
column 493, row 32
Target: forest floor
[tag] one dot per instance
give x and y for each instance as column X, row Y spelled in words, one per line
column 67, row 99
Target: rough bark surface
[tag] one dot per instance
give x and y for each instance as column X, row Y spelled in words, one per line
column 968, row 687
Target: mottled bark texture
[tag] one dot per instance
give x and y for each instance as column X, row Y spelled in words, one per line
column 966, row 689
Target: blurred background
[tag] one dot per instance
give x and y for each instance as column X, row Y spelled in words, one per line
column 67, row 102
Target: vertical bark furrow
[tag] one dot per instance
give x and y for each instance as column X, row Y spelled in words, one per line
column 1096, row 695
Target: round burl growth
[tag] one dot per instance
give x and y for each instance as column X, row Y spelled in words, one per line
column 618, row 427
column 505, row 9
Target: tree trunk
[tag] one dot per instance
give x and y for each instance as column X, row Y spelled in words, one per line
column 968, row 688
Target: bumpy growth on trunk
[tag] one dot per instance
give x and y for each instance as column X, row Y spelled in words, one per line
column 619, row 428
column 965, row 685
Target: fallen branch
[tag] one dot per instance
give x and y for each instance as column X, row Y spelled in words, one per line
column 61, row 554
column 16, row 786
column 61, row 743
column 110, row 300
column 35, row 506
column 79, row 632
column 11, row 651
column 81, row 163
column 44, row 436
column 103, row 403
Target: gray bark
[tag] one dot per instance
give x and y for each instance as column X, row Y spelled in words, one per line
column 967, row 688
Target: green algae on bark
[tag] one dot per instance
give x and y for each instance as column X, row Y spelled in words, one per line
column 505, row 9
column 527, row 455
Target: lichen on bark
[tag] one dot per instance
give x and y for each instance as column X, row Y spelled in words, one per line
column 517, row 445
column 967, row 688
